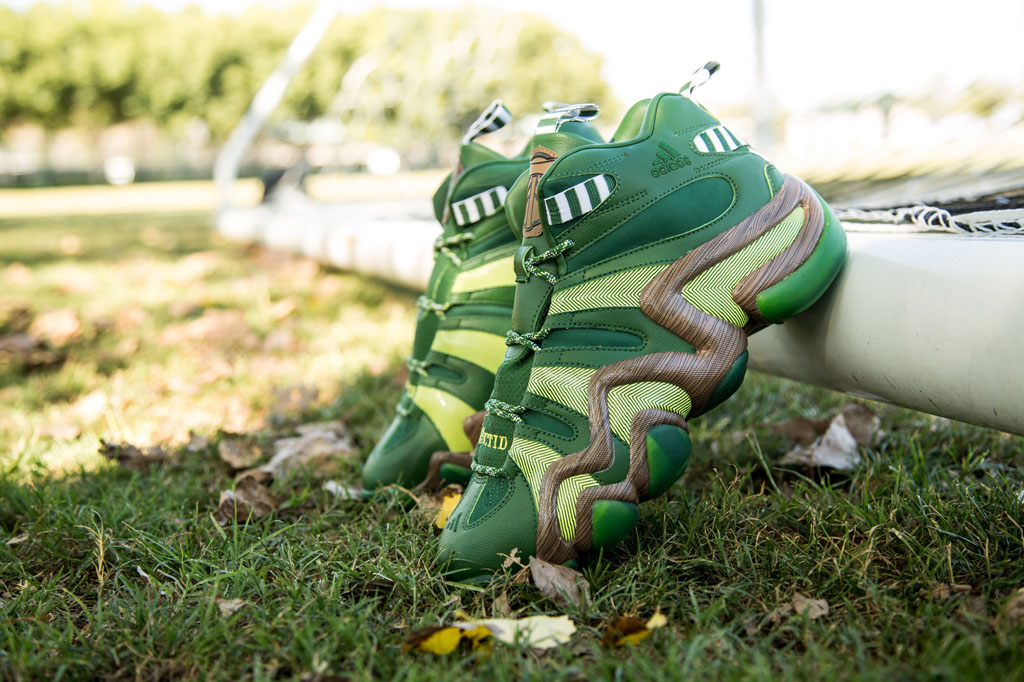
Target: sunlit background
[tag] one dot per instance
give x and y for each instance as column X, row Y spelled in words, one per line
column 133, row 91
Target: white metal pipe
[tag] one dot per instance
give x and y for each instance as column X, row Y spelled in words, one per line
column 928, row 321
column 932, row 322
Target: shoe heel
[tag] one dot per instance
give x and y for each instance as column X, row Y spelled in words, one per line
column 805, row 285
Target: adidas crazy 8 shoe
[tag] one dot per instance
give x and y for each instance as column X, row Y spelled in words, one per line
column 463, row 317
column 645, row 263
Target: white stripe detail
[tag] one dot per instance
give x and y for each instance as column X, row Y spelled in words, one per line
column 602, row 184
column 717, row 139
column 492, row 199
column 494, row 117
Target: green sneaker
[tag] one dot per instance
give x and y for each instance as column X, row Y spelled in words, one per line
column 464, row 313
column 645, row 263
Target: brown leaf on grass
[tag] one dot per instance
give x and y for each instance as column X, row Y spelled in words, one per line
column 18, row 273
column 238, row 454
column 800, row 430
column 559, row 583
column 249, row 498
column 1013, row 610
column 628, row 630
column 940, row 591
column 29, row 352
column 837, row 449
column 91, row 406
column 800, row 605
column 319, row 447
column 131, row 457
column 57, row 327
column 229, row 606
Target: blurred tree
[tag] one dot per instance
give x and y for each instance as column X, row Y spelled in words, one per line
column 419, row 78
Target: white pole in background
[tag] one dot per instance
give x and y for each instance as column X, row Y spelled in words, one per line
column 225, row 169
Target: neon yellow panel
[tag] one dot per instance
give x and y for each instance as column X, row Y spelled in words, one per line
column 499, row 273
column 533, row 459
column 447, row 413
column 482, row 349
column 711, row 290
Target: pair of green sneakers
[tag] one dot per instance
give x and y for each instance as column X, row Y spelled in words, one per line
column 630, row 273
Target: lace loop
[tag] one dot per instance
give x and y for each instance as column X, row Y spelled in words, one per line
column 445, row 245
column 439, row 309
column 528, row 339
column 484, row 470
column 531, row 262
column 417, row 366
column 500, row 408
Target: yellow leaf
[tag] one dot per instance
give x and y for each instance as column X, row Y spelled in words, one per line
column 658, row 620
column 634, row 638
column 447, row 507
column 438, row 641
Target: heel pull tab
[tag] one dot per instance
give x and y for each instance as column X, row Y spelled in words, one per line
column 540, row 160
column 699, row 78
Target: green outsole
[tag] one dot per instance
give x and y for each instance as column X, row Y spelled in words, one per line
column 806, row 284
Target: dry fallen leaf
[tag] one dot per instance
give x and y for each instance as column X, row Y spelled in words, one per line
column 351, row 493
column 131, row 457
column 57, row 327
column 448, row 504
column 837, row 448
column 238, row 454
column 559, row 583
column 248, row 498
column 800, row 605
column 800, row 430
column 229, row 606
column 537, row 632
column 1013, row 609
column 320, row 448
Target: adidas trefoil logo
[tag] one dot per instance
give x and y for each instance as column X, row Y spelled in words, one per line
column 667, row 160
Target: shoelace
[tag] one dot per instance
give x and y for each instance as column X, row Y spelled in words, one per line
column 530, row 263
column 445, row 244
column 500, row 408
column 417, row 366
column 439, row 309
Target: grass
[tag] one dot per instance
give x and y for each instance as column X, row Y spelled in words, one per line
column 110, row 573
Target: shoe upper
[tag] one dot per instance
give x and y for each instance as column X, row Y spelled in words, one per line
column 462, row 319
column 601, row 221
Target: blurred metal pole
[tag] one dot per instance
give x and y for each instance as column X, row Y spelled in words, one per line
column 225, row 169
column 764, row 108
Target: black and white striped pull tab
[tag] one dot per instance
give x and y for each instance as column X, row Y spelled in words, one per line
column 561, row 113
column 495, row 117
column 699, row 78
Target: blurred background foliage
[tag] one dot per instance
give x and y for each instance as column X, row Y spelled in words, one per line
column 416, row 74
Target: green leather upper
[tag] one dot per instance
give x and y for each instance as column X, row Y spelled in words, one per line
column 469, row 304
column 668, row 198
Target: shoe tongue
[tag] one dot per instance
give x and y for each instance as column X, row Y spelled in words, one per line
column 473, row 154
column 571, row 135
